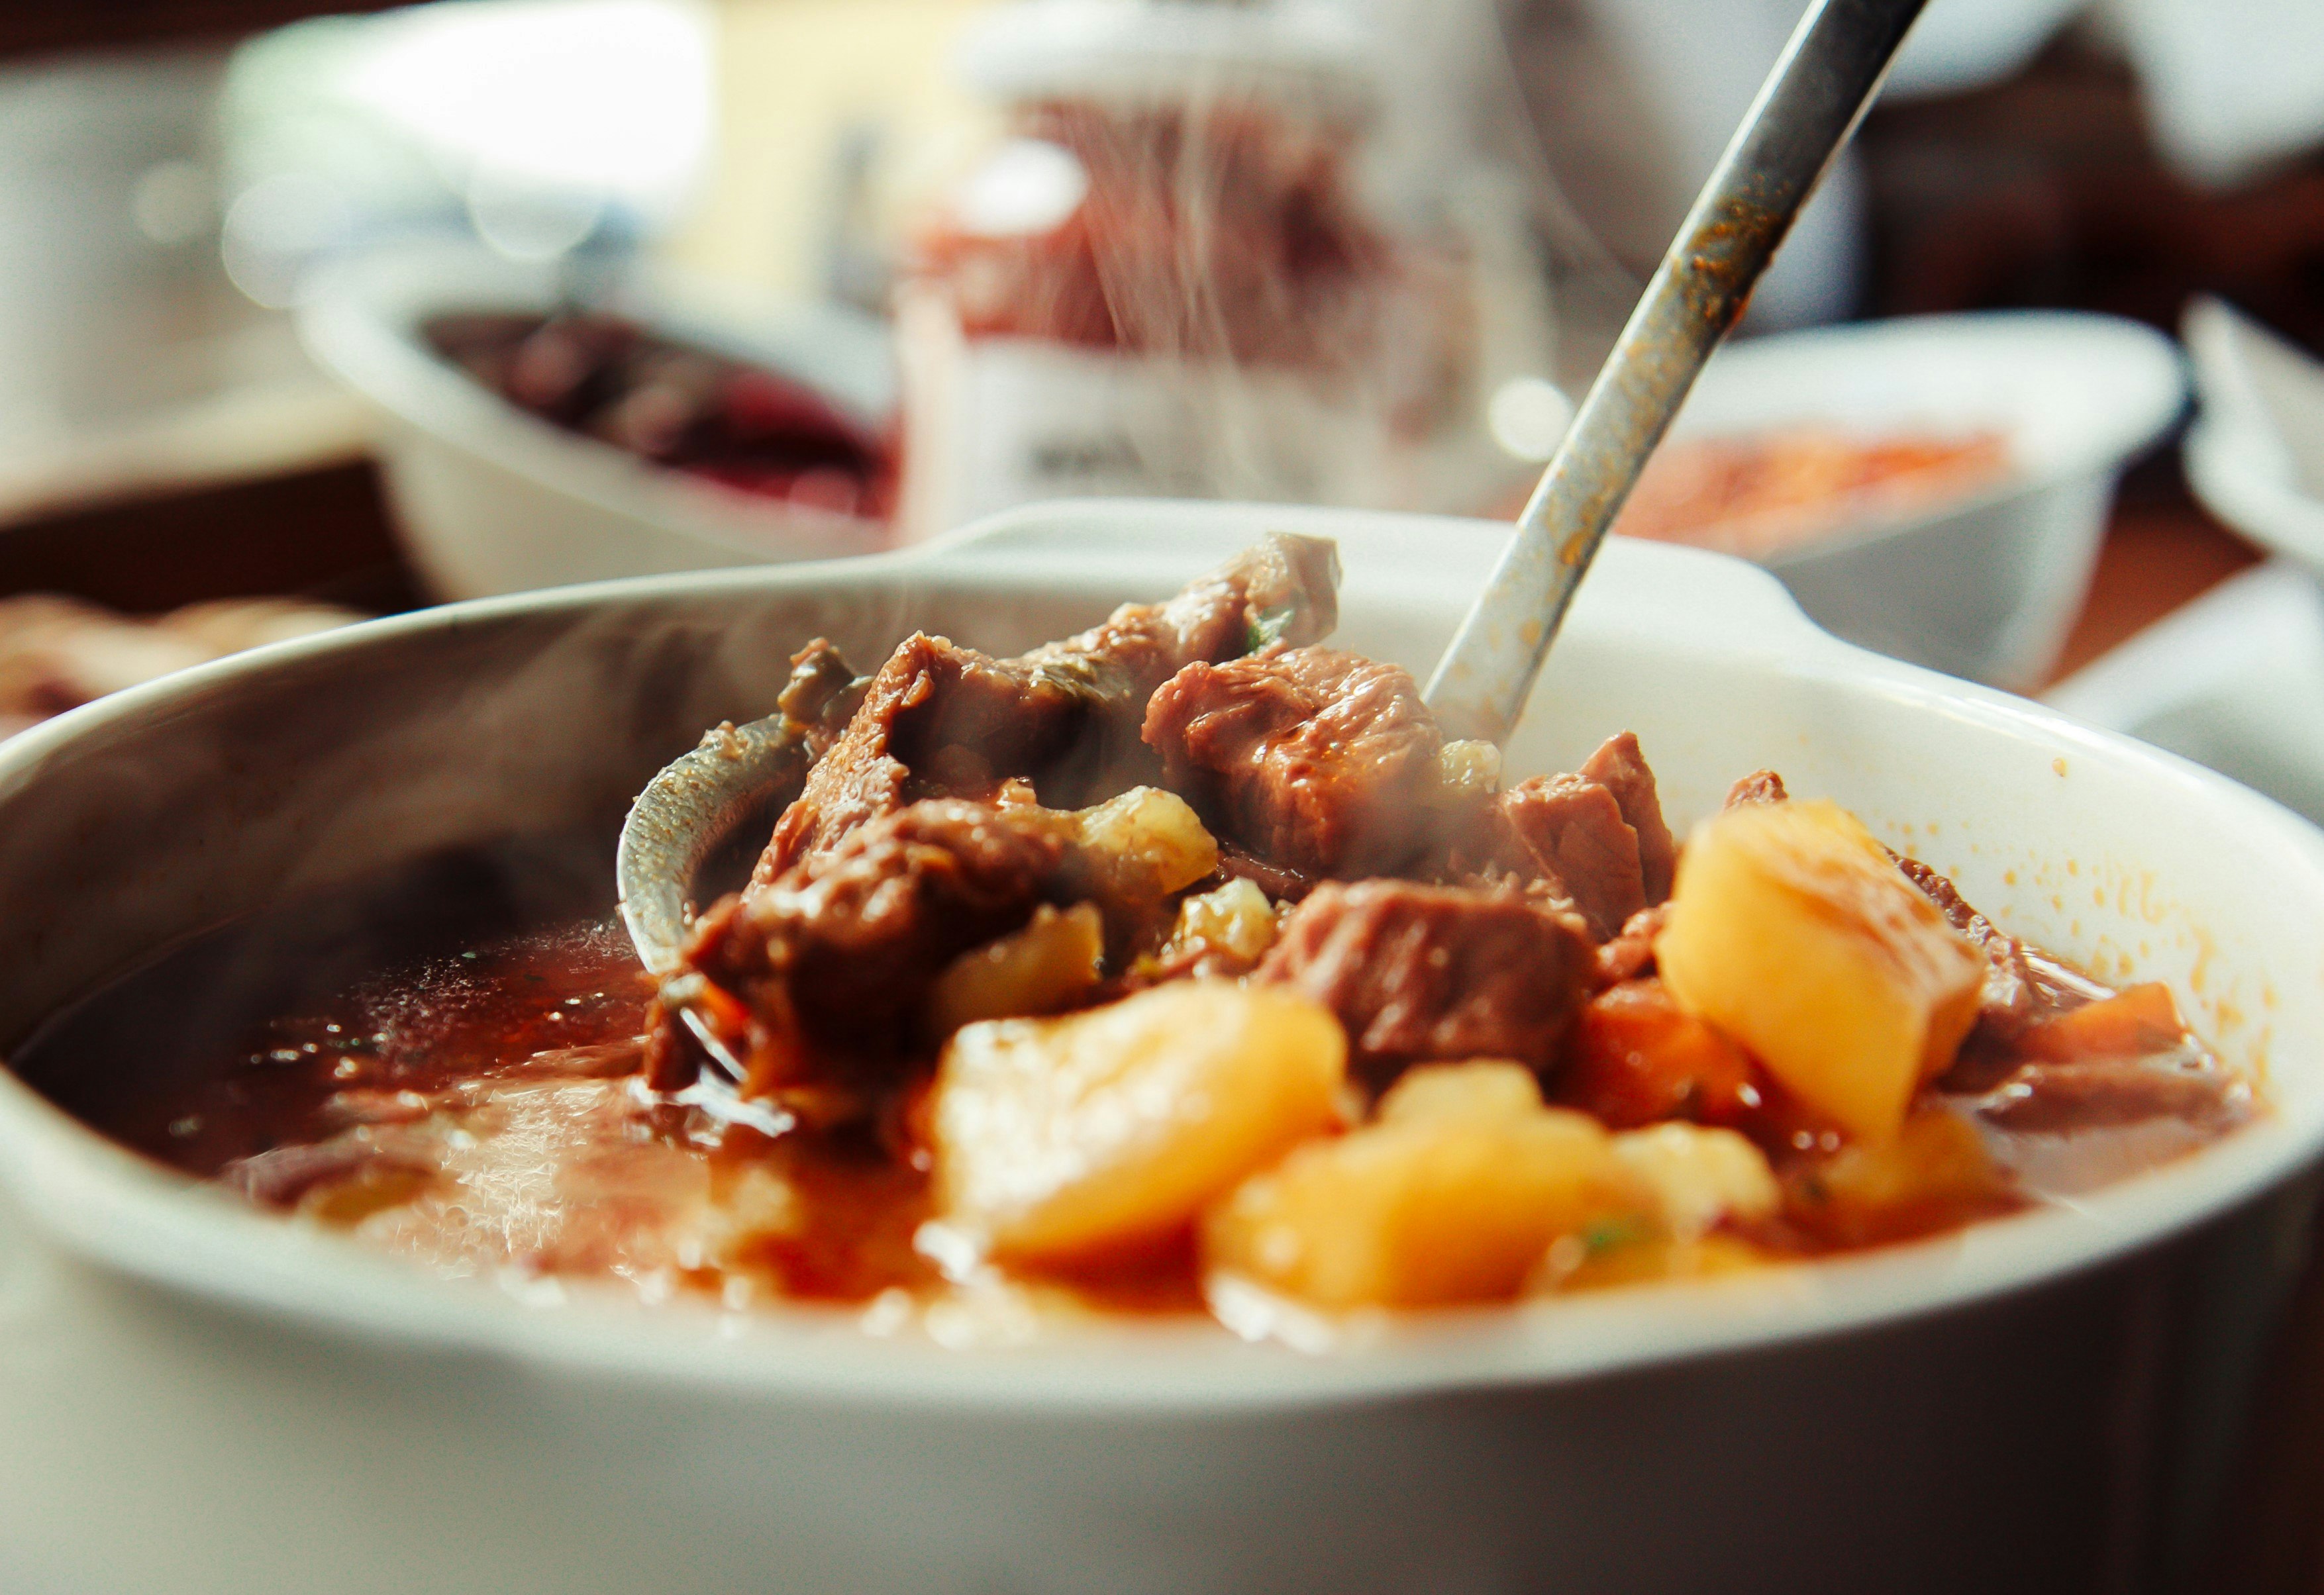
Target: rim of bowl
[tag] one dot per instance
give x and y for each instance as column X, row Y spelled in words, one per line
column 362, row 322
column 107, row 1203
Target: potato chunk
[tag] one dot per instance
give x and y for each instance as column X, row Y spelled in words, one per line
column 1062, row 1140
column 1038, row 970
column 1146, row 843
column 1792, row 930
column 1700, row 1176
column 1455, row 1193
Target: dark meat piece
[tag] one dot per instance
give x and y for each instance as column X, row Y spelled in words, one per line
column 1619, row 768
column 942, row 720
column 1631, row 954
column 822, row 694
column 1280, row 884
column 1417, row 972
column 1594, row 841
column 2063, row 1098
column 1761, row 785
column 2020, row 986
column 1316, row 760
column 1573, row 834
column 834, row 958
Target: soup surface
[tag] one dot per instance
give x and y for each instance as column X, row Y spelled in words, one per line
column 1764, row 493
column 1181, row 966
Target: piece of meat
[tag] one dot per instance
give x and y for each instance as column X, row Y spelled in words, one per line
column 833, row 960
column 1630, row 955
column 1573, row 832
column 1594, row 841
column 938, row 719
column 2014, row 992
column 2063, row 1098
column 822, row 694
column 1761, row 785
column 1621, row 768
column 1283, row 885
column 1417, row 972
column 1316, row 760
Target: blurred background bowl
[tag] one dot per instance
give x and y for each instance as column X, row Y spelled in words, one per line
column 490, row 499
column 1984, row 581
column 2255, row 454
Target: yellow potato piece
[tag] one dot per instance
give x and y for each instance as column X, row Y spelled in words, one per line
column 1455, row 1193
column 1040, row 969
column 1148, row 843
column 1235, row 919
column 1793, row 931
column 1700, row 1176
column 1064, row 1140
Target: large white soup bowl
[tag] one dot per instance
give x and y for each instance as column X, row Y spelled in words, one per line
column 2048, row 1401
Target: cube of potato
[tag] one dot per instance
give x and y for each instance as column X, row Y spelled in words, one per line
column 1235, row 920
column 1935, row 1175
column 1146, row 843
column 1700, row 1176
column 1792, row 930
column 1455, row 1193
column 1062, row 1141
column 1481, row 1088
column 1038, row 970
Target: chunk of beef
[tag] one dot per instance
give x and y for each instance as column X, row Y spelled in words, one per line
column 1572, row 834
column 822, row 694
column 833, row 959
column 1318, row 761
column 1630, row 955
column 2017, row 989
column 1621, row 768
column 1594, row 840
column 1415, row 973
column 940, row 720
column 1761, row 785
column 2088, row 1094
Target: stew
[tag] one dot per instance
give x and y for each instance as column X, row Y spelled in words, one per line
column 1180, row 965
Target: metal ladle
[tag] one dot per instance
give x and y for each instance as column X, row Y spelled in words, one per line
column 1809, row 104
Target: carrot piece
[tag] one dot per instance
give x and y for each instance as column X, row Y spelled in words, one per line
column 2135, row 1022
column 1638, row 1058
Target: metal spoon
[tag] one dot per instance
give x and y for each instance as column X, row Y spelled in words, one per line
column 1804, row 112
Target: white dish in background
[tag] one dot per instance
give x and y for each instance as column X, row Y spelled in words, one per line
column 490, row 500
column 1984, row 585
column 267, row 1404
column 2255, row 453
column 2234, row 680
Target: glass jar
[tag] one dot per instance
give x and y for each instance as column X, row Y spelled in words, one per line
column 1162, row 277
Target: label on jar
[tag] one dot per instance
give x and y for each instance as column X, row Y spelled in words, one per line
column 992, row 423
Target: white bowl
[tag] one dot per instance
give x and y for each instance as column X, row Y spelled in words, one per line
column 490, row 500
column 2027, row 1405
column 1985, row 586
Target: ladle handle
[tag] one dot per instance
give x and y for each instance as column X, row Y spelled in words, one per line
column 1806, row 111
